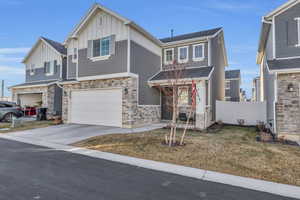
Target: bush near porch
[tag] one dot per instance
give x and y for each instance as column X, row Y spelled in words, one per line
column 232, row 150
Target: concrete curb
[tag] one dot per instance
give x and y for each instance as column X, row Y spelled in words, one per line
column 248, row 183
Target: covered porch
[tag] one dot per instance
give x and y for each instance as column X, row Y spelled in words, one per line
column 192, row 93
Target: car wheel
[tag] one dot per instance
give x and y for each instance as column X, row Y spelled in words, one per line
column 8, row 117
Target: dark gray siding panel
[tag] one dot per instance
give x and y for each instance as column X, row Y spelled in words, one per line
column 40, row 75
column 191, row 63
column 234, row 91
column 64, row 68
column 58, row 100
column 145, row 64
column 287, row 33
column 115, row 64
column 71, row 68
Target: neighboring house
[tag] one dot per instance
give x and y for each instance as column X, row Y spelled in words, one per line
column 279, row 60
column 243, row 96
column 113, row 65
column 232, row 85
column 45, row 66
column 256, row 89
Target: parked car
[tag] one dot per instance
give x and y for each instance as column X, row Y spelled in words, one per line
column 8, row 110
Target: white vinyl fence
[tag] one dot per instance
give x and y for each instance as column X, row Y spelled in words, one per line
column 234, row 112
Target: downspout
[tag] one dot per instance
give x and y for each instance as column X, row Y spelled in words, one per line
column 275, row 101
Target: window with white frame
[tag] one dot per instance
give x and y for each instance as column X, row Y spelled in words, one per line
column 183, row 95
column 183, row 54
column 31, row 69
column 49, row 68
column 169, row 56
column 75, row 54
column 298, row 30
column 198, row 52
column 101, row 47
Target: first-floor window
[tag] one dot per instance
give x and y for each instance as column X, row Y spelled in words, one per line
column 183, row 95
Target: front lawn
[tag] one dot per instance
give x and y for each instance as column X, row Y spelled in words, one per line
column 25, row 126
column 232, row 150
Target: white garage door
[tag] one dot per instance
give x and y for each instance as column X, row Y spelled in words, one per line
column 97, row 107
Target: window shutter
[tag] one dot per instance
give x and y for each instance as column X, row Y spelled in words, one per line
column 90, row 49
column 112, row 47
column 45, row 67
column 292, row 32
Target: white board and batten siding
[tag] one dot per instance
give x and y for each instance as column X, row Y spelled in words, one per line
column 97, row 107
column 250, row 112
column 42, row 53
column 99, row 26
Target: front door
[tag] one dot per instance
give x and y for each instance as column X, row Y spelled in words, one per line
column 166, row 107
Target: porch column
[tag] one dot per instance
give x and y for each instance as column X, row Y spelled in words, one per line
column 200, row 105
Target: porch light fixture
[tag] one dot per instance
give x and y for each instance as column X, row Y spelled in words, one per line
column 290, row 87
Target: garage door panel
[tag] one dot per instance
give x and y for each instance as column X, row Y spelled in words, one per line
column 97, row 107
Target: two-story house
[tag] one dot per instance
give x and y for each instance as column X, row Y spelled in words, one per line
column 279, row 60
column 232, row 85
column 113, row 63
column 45, row 66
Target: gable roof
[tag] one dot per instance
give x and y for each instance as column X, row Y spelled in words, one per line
column 282, row 8
column 232, row 74
column 199, row 34
column 126, row 21
column 56, row 46
column 285, row 64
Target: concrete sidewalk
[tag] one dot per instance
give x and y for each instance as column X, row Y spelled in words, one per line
column 248, row 183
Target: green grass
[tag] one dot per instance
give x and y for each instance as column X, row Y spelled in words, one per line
column 232, row 150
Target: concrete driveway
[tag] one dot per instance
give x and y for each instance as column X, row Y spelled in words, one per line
column 71, row 133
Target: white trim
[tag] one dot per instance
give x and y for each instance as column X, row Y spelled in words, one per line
column 282, row 8
column 274, row 38
column 128, row 49
column 107, row 76
column 209, row 52
column 274, row 103
column 285, row 58
column 187, row 54
column 285, row 71
column 165, row 56
column 203, row 52
column 99, row 58
column 32, row 86
column 298, row 30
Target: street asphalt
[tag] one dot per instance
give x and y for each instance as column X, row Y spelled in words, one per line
column 32, row 172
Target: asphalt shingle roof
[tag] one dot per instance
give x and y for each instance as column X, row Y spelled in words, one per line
column 34, row 83
column 56, row 45
column 230, row 74
column 284, row 64
column 200, row 72
column 191, row 35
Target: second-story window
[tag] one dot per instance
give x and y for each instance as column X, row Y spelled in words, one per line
column 75, row 54
column 49, row 68
column 198, row 53
column 169, row 56
column 101, row 47
column 31, row 69
column 183, row 54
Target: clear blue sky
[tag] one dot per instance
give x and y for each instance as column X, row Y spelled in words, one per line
column 23, row 21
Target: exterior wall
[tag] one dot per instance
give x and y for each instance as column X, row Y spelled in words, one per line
column 115, row 64
column 288, row 106
column 217, row 82
column 133, row 115
column 234, row 91
column 42, row 53
column 190, row 62
column 287, row 33
column 72, row 68
column 48, row 97
column 145, row 64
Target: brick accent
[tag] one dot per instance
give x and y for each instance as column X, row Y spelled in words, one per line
column 133, row 115
column 288, row 105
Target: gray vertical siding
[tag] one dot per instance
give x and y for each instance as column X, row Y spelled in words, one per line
column 64, row 68
column 234, row 91
column 218, row 76
column 287, row 33
column 40, row 75
column 71, row 68
column 190, row 62
column 115, row 64
column 145, row 64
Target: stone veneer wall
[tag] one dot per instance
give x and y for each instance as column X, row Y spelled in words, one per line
column 47, row 96
column 288, row 105
column 133, row 115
